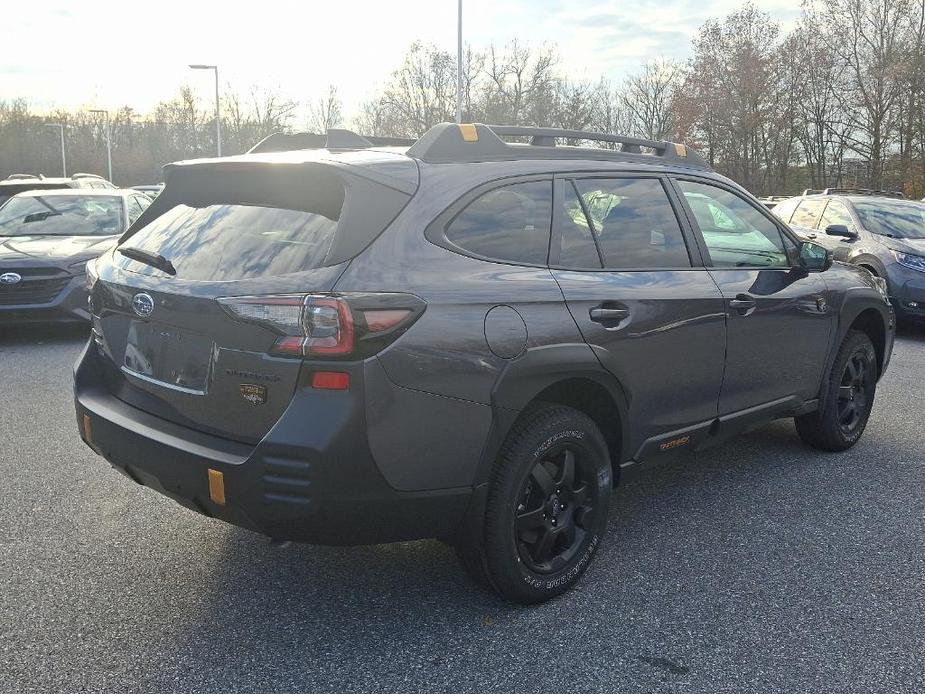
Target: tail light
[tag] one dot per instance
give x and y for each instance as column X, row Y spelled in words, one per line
column 337, row 326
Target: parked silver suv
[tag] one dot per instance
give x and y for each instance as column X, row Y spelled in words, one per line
column 878, row 231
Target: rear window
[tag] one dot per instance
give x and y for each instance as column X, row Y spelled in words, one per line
column 62, row 215
column 230, row 241
column 634, row 223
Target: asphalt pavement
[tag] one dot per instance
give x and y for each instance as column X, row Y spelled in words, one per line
column 760, row 566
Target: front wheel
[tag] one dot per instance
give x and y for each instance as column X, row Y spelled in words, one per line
column 547, row 506
column 848, row 400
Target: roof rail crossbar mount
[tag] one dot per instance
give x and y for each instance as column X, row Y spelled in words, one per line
column 447, row 142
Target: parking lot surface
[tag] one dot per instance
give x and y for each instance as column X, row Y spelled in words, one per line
column 760, row 566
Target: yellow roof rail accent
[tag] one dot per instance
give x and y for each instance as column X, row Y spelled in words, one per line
column 468, row 132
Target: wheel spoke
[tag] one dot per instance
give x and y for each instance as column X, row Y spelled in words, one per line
column 529, row 520
column 845, row 392
column 852, row 371
column 862, row 371
column 567, row 472
column 543, row 479
column 544, row 546
column 580, row 495
column 846, row 412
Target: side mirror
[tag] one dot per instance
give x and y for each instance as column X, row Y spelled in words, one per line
column 815, row 258
column 841, row 230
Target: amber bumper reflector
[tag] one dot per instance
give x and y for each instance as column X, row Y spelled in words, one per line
column 217, row 487
column 88, row 434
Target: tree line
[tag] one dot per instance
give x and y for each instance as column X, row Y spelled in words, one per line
column 839, row 100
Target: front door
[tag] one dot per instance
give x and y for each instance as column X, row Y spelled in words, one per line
column 634, row 283
column 778, row 320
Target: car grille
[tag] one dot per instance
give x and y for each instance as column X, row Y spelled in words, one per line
column 38, row 286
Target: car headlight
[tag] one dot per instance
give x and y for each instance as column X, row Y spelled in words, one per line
column 913, row 262
column 78, row 268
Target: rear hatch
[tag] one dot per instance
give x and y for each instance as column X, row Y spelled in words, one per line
column 175, row 338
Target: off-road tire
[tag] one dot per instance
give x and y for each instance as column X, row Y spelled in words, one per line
column 829, row 428
column 535, row 454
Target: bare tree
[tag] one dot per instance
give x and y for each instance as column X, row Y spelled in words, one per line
column 648, row 96
column 326, row 112
column 867, row 38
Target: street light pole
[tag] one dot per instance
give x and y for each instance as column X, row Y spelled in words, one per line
column 108, row 140
column 218, row 116
column 459, row 63
column 63, row 159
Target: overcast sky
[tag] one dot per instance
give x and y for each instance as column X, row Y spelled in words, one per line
column 104, row 53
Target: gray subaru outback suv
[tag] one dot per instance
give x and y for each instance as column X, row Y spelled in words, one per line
column 465, row 338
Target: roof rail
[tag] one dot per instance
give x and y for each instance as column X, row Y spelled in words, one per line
column 812, row 191
column 476, row 141
column 24, row 177
column 864, row 191
column 85, row 175
column 335, row 138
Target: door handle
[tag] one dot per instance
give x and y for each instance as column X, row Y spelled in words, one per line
column 608, row 316
column 743, row 303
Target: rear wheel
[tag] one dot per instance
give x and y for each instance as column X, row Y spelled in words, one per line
column 849, row 397
column 547, row 507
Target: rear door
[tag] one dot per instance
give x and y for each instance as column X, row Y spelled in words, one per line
column 778, row 319
column 635, row 285
column 805, row 219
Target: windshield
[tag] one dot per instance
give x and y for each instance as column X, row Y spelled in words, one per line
column 900, row 220
column 62, row 215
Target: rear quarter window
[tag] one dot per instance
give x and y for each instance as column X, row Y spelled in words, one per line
column 510, row 224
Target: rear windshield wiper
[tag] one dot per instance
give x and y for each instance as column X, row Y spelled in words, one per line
column 148, row 258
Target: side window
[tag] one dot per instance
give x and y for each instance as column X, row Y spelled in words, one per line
column 634, row 223
column 134, row 209
column 808, row 213
column 510, row 223
column 752, row 240
column 835, row 213
column 784, row 210
column 577, row 248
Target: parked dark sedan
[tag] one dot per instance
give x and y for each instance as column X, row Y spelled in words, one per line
column 46, row 239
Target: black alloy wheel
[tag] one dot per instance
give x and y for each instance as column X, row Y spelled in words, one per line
column 556, row 509
column 854, row 391
column 846, row 399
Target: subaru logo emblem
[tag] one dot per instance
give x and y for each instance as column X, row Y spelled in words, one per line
column 10, row 278
column 143, row 305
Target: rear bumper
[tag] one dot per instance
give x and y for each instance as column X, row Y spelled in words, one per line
column 68, row 306
column 313, row 483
